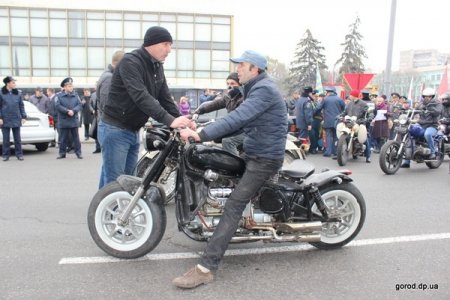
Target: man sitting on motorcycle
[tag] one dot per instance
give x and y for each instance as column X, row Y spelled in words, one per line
column 358, row 108
column 431, row 110
column 262, row 116
column 445, row 99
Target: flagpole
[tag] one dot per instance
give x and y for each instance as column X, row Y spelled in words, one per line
column 387, row 75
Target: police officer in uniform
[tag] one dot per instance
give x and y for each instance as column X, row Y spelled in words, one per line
column 68, row 104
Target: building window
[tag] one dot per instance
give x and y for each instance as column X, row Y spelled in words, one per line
column 95, row 29
column 221, row 33
column 5, row 59
column 58, row 28
column 132, row 30
column 114, row 29
column 40, row 57
column 202, row 60
column 96, row 58
column 39, row 27
column 19, row 27
column 59, row 58
column 186, row 32
column 202, row 32
column 21, row 61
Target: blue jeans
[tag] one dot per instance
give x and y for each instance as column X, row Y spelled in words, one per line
column 257, row 171
column 120, row 151
column 429, row 133
column 6, row 143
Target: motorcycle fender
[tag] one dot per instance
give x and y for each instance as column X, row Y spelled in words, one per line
column 362, row 134
column 341, row 128
column 320, row 179
column 130, row 184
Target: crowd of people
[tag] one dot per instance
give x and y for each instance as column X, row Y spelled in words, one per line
column 317, row 115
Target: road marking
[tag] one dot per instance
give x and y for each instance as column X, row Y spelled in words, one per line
column 262, row 250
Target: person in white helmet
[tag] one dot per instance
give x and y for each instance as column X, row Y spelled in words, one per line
column 429, row 120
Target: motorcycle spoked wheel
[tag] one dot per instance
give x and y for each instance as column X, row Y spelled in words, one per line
column 389, row 159
column 169, row 186
column 439, row 157
column 342, row 151
column 346, row 203
column 143, row 231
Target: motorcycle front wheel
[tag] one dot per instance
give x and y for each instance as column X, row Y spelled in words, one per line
column 390, row 158
column 345, row 203
column 342, row 151
column 140, row 234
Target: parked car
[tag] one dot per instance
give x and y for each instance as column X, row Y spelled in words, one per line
column 38, row 130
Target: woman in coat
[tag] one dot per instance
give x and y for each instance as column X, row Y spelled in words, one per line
column 380, row 129
column 12, row 116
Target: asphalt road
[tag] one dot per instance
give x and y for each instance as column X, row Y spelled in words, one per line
column 47, row 253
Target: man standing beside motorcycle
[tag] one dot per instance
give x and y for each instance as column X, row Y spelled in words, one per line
column 431, row 110
column 262, row 116
column 358, row 108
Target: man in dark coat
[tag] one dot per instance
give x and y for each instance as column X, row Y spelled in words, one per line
column 68, row 105
column 87, row 112
column 332, row 106
column 12, row 116
column 304, row 112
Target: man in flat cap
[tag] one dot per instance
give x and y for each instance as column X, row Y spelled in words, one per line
column 12, row 116
column 138, row 91
column 68, row 105
column 262, row 116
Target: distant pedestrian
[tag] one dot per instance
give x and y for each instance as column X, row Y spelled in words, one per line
column 304, row 113
column 12, row 116
column 184, row 106
column 68, row 105
column 40, row 100
column 52, row 111
column 87, row 112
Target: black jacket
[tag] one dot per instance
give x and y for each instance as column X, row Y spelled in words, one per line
column 138, row 91
column 431, row 113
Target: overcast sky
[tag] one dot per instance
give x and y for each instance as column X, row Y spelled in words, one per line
column 274, row 27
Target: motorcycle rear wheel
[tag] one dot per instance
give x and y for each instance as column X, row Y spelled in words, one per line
column 342, row 152
column 390, row 160
column 346, row 203
column 142, row 233
column 439, row 157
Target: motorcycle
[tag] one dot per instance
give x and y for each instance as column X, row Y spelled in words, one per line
column 352, row 135
column 409, row 143
column 294, row 150
column 444, row 127
column 127, row 218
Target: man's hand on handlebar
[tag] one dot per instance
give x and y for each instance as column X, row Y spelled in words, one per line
column 186, row 133
column 182, row 122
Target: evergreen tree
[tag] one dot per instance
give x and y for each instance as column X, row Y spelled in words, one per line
column 308, row 55
column 351, row 59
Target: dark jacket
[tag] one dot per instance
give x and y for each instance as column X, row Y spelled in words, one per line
column 102, row 89
column 12, row 110
column 303, row 112
column 87, row 111
column 222, row 101
column 65, row 102
column 356, row 108
column 138, row 91
column 431, row 113
column 262, row 116
column 332, row 107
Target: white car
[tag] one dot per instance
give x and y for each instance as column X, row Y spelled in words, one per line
column 37, row 130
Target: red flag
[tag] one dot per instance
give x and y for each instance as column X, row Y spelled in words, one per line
column 358, row 81
column 443, row 86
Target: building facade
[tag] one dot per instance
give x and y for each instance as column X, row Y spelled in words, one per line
column 43, row 45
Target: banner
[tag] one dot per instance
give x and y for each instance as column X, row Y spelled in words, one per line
column 358, row 81
column 443, row 86
column 319, row 86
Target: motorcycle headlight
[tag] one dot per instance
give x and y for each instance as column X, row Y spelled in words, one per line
column 402, row 119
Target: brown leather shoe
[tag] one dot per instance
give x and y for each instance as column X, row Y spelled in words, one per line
column 193, row 278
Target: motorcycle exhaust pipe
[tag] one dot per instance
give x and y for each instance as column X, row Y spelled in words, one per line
column 299, row 227
column 307, row 238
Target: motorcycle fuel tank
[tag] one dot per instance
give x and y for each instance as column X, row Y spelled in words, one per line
column 209, row 157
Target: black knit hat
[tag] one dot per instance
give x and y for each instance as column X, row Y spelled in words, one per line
column 233, row 76
column 156, row 35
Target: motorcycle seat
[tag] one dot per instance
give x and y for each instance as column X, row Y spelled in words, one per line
column 299, row 168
